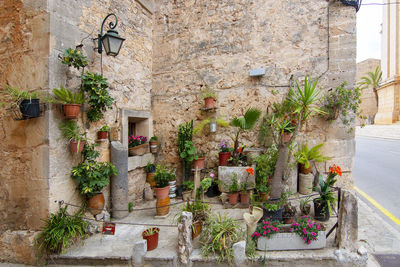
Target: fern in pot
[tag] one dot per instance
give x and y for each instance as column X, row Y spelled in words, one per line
column 73, row 133
column 71, row 102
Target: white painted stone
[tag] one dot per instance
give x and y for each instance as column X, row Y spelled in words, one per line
column 239, row 253
column 139, row 251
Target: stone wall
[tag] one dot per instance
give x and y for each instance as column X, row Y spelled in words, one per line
column 218, row 43
column 368, row 106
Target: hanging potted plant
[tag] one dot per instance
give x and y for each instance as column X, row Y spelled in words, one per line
column 92, row 177
column 71, row 103
column 151, row 236
column 150, row 170
column 137, row 145
column 199, row 159
column 71, row 131
column 233, row 190
column 209, row 97
column 153, row 144
column 102, row 134
column 26, row 102
column 224, row 152
column 322, row 204
column 188, row 187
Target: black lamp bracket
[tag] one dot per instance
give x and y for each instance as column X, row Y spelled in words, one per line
column 111, row 25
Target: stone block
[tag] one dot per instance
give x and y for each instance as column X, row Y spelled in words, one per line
column 345, row 163
column 225, row 174
column 140, row 161
column 347, row 231
column 148, row 193
column 239, row 253
column 139, row 250
column 339, row 148
column 185, row 246
column 119, row 183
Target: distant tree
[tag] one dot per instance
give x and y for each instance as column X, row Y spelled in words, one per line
column 372, row 79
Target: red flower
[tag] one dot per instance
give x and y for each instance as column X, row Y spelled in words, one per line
column 335, row 169
column 250, row 171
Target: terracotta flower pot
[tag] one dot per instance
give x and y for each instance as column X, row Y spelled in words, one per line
column 233, row 198
column 288, row 220
column 286, row 136
column 199, row 163
column 96, row 203
column 264, row 196
column 223, row 158
column 139, row 150
column 71, row 111
column 161, row 192
column 303, row 168
column 153, row 146
column 74, row 146
column 152, row 240
column 150, row 179
column 196, row 229
column 102, row 135
column 244, row 198
column 209, row 102
column 162, row 206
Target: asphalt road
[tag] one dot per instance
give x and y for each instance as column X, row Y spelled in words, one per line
column 377, row 172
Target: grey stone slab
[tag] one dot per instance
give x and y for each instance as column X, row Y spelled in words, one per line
column 119, row 183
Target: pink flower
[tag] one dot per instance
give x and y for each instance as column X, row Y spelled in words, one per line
column 314, row 234
column 304, row 231
column 318, row 226
column 212, row 175
column 291, row 230
column 269, row 231
column 304, row 238
column 267, row 222
column 268, row 226
column 274, row 228
column 265, row 233
column 264, row 227
column 310, row 225
column 308, row 242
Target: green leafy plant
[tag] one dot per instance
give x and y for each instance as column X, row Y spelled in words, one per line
column 151, row 231
column 130, row 206
column 105, row 128
column 245, row 123
column 99, row 98
column 207, row 92
column 89, row 152
column 65, row 96
column 163, row 175
column 305, row 206
column 263, row 188
column 15, row 95
column 153, row 139
column 306, row 229
column 218, row 236
column 266, row 164
column 304, row 155
column 185, row 133
column 188, row 185
column 289, row 211
column 234, row 186
column 200, row 127
column 150, row 167
column 188, row 153
column 71, row 131
column 326, row 195
column 60, row 231
column 373, row 79
column 271, row 206
column 344, row 101
column 200, row 211
column 74, row 57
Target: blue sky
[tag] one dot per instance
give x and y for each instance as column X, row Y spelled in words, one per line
column 369, row 24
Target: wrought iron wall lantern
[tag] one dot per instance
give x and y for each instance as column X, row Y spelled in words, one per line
column 111, row 40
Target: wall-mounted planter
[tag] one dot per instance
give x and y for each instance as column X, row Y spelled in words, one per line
column 209, row 102
column 101, row 135
column 289, row 241
column 199, row 163
column 71, row 111
column 29, row 108
column 139, row 150
column 75, row 146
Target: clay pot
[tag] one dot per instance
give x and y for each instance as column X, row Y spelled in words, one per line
column 288, row 220
column 162, row 206
column 196, row 229
column 74, row 146
column 161, row 192
column 223, row 158
column 139, row 150
column 199, row 163
column 30, row 108
column 71, row 111
column 153, row 147
column 102, row 135
column 150, row 179
column 264, row 196
column 233, row 198
column 303, row 169
column 244, row 198
column 96, row 203
column 152, row 240
column 286, row 136
column 209, row 102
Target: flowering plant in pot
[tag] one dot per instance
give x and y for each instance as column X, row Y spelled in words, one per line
column 92, row 177
column 244, row 194
column 224, row 152
column 71, row 131
column 322, row 204
column 137, row 145
column 266, row 229
column 306, row 229
column 209, row 96
column 71, row 102
column 102, row 133
column 151, row 235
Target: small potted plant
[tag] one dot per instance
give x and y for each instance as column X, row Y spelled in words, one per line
column 137, row 145
column 26, row 102
column 199, row 159
column 153, row 144
column 103, row 132
column 213, row 190
column 209, row 97
column 289, row 213
column 224, row 152
column 322, row 204
column 233, row 190
column 263, row 192
column 162, row 177
column 188, row 187
column 71, row 131
column 244, row 194
column 305, row 156
column 204, row 185
column 200, row 213
column 150, row 170
column 305, row 206
column 71, row 102
column 151, row 236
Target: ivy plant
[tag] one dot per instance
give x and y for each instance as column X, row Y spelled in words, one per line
column 99, row 98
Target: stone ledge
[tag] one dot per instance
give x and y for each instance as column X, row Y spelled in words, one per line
column 139, row 161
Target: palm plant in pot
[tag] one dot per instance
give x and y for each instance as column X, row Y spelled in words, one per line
column 71, row 102
column 305, row 156
column 91, row 177
column 322, row 204
column 151, row 236
column 72, row 132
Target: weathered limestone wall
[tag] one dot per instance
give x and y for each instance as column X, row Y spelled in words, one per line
column 368, row 104
column 24, row 27
column 128, row 74
column 217, row 43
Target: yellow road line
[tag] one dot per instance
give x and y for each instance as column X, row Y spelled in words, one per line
column 378, row 206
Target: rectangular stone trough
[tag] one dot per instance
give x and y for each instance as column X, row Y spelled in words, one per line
column 289, row 241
